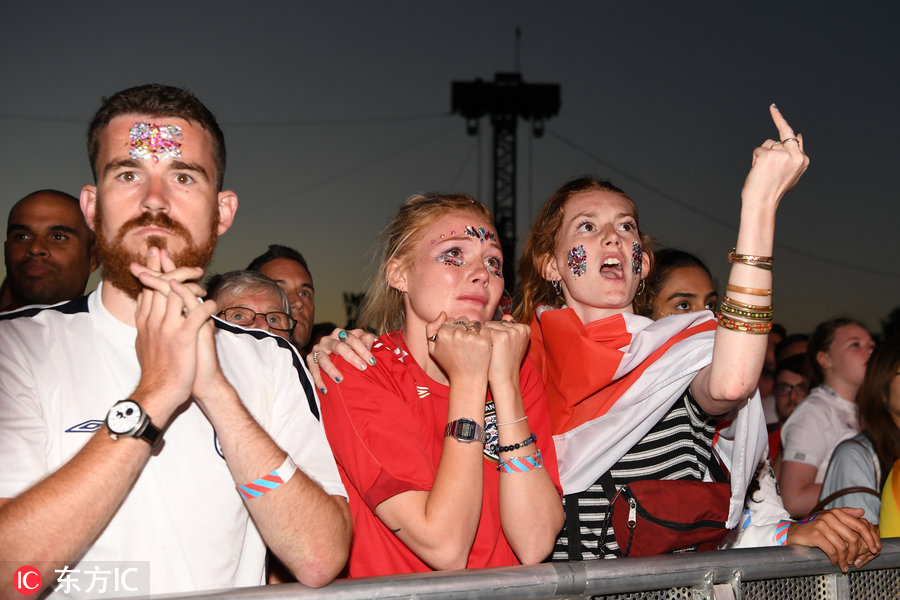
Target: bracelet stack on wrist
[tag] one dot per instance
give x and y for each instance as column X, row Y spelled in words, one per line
column 743, row 317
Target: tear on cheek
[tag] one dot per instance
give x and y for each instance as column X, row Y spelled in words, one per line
column 637, row 258
column 577, row 261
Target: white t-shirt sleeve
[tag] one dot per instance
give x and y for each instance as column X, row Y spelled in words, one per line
column 23, row 432
column 297, row 430
column 801, row 437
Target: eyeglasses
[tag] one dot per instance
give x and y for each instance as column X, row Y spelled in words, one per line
column 241, row 315
column 783, row 389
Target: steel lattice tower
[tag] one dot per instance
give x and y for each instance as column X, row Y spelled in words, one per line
column 505, row 100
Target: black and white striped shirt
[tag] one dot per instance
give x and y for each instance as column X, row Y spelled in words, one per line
column 679, row 447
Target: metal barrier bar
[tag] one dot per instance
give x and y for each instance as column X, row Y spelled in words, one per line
column 582, row 579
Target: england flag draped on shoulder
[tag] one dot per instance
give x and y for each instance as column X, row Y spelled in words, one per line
column 608, row 383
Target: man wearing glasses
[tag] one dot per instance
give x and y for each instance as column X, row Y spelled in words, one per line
column 252, row 300
column 790, row 389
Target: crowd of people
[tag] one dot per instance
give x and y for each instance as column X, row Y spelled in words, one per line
column 449, row 435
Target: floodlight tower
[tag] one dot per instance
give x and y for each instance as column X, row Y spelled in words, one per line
column 506, row 100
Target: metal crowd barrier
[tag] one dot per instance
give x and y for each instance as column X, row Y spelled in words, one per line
column 784, row 573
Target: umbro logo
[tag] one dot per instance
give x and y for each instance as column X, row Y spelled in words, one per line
column 86, row 426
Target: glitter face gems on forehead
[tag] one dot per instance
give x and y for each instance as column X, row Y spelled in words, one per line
column 578, row 261
column 481, row 234
column 637, row 258
column 149, row 140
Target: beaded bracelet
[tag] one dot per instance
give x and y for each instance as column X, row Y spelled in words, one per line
column 748, row 290
column 743, row 325
column 531, row 439
column 520, row 464
column 746, row 315
column 748, row 311
column 269, row 482
column 762, row 262
column 745, row 306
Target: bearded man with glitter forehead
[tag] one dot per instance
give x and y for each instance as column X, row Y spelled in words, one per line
column 136, row 428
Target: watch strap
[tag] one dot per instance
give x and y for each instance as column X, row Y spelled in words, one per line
column 148, row 432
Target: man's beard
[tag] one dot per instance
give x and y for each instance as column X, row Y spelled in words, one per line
column 116, row 258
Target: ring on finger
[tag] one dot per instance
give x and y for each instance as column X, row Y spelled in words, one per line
column 343, row 335
column 316, row 357
column 461, row 322
column 790, row 139
column 432, row 338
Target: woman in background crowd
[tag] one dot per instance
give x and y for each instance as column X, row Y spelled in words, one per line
column 865, row 460
column 836, row 365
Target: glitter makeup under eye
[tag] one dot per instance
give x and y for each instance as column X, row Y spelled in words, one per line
column 149, row 140
column 482, row 234
column 493, row 270
column 578, row 261
column 450, row 260
column 637, row 256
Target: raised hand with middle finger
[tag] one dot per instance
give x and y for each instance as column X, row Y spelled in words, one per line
column 777, row 164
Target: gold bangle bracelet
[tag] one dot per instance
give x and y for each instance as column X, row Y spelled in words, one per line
column 762, row 262
column 748, row 290
column 745, row 306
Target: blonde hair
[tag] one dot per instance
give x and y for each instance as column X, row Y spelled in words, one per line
column 383, row 308
column 540, row 245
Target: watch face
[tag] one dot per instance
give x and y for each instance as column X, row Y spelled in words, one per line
column 123, row 417
column 465, row 429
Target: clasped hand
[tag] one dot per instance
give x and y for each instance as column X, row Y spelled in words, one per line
column 495, row 348
column 175, row 341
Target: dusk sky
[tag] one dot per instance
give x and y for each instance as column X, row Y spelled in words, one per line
column 336, row 112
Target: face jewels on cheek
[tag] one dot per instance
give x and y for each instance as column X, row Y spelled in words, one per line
column 149, row 140
column 480, row 233
column 637, row 258
column 577, row 261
